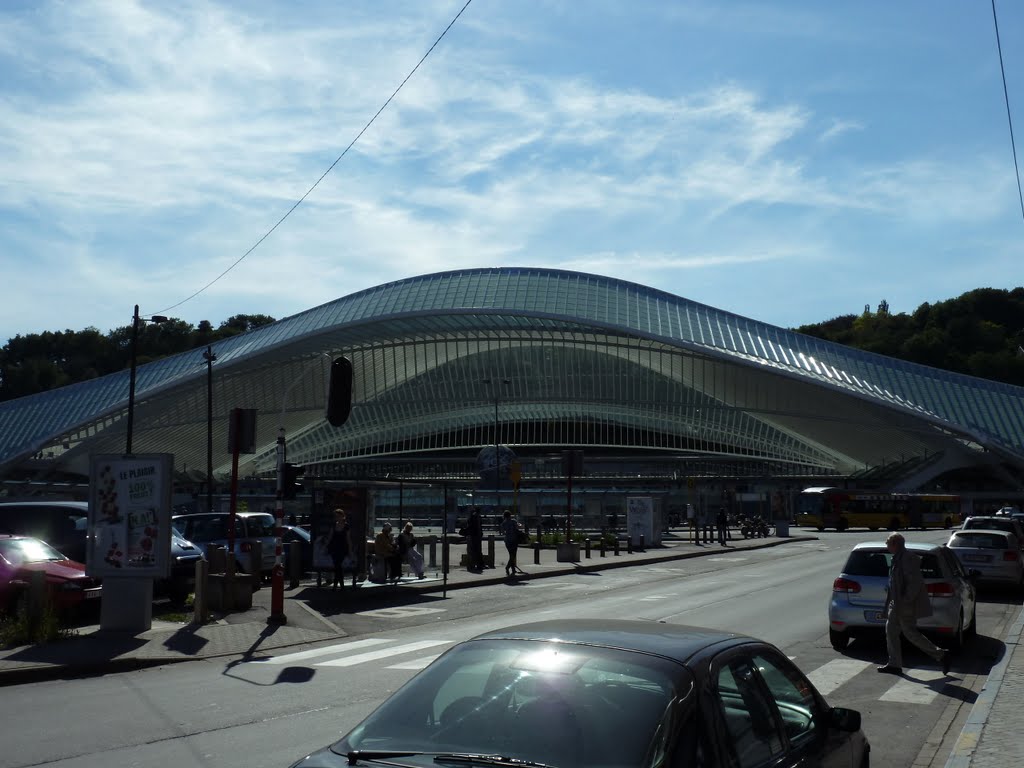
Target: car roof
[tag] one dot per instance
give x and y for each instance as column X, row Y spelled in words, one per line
column 912, row 546
column 82, row 506
column 248, row 513
column 673, row 641
column 977, row 531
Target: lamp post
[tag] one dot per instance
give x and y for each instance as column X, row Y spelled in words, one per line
column 131, row 378
column 209, row 357
column 497, row 442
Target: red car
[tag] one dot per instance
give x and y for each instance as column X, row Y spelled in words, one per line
column 65, row 579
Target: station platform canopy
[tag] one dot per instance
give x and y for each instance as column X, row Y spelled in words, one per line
column 539, row 360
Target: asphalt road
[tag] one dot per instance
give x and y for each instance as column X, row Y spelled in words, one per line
column 273, row 711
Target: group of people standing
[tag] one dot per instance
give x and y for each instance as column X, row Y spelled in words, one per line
column 394, row 551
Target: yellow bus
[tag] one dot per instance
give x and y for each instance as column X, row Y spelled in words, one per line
column 843, row 508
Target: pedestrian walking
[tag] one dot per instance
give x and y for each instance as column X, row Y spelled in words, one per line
column 691, row 521
column 722, row 524
column 510, row 533
column 907, row 602
column 339, row 547
column 408, row 552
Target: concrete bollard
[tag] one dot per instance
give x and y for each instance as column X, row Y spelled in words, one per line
column 641, row 546
column 217, row 557
column 294, row 565
column 618, row 544
column 587, row 547
column 629, row 545
column 536, row 552
column 200, row 600
column 602, row 546
column 256, row 564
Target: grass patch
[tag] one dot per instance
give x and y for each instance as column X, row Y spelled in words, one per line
column 21, row 628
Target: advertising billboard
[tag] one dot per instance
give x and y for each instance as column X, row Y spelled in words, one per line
column 129, row 516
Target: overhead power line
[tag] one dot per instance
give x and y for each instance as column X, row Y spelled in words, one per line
column 1006, row 100
column 330, row 168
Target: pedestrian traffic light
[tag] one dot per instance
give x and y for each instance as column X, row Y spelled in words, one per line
column 291, row 486
column 339, row 392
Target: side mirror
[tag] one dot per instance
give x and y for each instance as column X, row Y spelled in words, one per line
column 843, row 719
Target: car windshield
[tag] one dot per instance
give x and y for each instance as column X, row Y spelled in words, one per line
column 18, row 551
column 876, row 562
column 991, row 523
column 260, row 525
column 543, row 702
column 978, row 540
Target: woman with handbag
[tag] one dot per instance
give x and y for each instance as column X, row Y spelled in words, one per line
column 339, row 545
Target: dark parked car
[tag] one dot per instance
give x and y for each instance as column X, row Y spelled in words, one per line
column 65, row 580
column 59, row 523
column 298, row 534
column 575, row 694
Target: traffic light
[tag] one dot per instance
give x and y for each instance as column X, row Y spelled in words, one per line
column 291, row 486
column 339, row 392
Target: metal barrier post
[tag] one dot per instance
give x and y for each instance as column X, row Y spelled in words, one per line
column 200, row 599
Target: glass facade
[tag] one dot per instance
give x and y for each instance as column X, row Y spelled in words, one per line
column 546, row 358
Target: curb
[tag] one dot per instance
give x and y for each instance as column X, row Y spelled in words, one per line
column 967, row 742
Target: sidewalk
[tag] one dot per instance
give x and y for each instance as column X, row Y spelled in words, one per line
column 92, row 651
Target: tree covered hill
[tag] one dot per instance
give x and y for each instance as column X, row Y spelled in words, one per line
column 981, row 333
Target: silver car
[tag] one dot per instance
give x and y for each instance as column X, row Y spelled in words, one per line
column 206, row 528
column 859, row 595
column 995, row 555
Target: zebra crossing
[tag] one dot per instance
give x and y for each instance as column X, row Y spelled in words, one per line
column 919, row 689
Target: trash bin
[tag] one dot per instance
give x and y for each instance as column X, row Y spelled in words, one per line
column 782, row 528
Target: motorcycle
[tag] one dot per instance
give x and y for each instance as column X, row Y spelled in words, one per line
column 754, row 527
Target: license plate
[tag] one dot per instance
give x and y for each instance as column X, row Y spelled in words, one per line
column 977, row 558
column 93, row 593
column 876, row 617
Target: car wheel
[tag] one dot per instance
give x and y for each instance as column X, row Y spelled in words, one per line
column 842, row 525
column 838, row 639
column 972, row 628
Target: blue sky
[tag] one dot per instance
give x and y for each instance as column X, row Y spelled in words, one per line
column 788, row 161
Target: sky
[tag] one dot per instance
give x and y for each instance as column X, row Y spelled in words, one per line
column 787, row 160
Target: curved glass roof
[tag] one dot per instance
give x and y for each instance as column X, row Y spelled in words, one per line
column 546, row 357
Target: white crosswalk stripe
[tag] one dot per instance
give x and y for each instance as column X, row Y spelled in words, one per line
column 918, row 688
column 328, row 650
column 830, row 676
column 400, row 611
column 383, row 653
column 419, row 663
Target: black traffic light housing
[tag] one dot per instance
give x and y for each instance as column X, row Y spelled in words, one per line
column 291, row 486
column 339, row 392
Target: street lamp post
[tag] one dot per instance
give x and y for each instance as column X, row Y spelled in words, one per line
column 209, row 357
column 131, row 377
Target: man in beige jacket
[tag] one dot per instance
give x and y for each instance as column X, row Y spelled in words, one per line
column 908, row 601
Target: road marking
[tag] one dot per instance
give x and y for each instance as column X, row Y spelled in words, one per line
column 657, row 597
column 919, row 688
column 727, row 559
column 400, row 611
column 415, row 663
column 288, row 658
column 362, row 658
column 830, row 676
